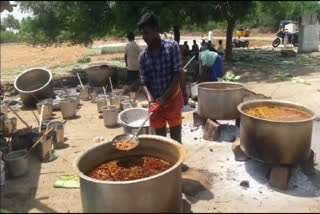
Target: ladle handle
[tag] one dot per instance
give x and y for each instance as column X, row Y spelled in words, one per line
column 154, row 109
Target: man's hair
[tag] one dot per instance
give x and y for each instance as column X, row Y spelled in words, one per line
column 185, row 43
column 220, row 41
column 150, row 20
column 130, row 36
column 194, row 41
column 209, row 41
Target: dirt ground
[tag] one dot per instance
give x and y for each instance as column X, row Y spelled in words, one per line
column 17, row 57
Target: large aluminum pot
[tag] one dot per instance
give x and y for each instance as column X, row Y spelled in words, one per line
column 219, row 100
column 98, row 76
column 275, row 142
column 132, row 118
column 158, row 193
column 33, row 85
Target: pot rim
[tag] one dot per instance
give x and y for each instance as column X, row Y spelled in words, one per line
column 26, row 155
column 261, row 101
column 179, row 147
column 241, row 86
column 130, row 109
column 27, row 71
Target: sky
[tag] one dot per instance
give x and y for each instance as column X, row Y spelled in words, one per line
column 16, row 13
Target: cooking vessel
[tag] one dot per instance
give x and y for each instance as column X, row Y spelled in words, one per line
column 161, row 193
column 219, row 100
column 275, row 142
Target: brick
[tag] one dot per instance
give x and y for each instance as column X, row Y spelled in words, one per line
column 307, row 166
column 239, row 155
column 211, row 130
column 197, row 120
column 279, row 177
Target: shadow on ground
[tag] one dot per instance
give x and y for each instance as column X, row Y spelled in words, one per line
column 267, row 65
column 15, row 191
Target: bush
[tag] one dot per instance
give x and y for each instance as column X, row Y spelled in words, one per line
column 84, row 60
column 9, row 37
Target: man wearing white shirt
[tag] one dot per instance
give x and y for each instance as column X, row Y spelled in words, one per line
column 131, row 57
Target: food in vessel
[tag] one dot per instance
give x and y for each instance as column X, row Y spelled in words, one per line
column 130, row 168
column 125, row 144
column 277, row 113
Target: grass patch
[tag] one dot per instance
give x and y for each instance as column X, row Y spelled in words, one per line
column 9, row 37
column 84, row 60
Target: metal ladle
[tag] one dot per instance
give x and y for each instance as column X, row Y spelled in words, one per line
column 133, row 138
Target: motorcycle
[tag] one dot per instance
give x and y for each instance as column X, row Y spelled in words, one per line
column 293, row 38
column 237, row 43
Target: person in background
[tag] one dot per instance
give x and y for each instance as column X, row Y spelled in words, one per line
column 195, row 49
column 185, row 49
column 161, row 73
column 131, row 58
column 220, row 48
column 203, row 45
column 211, row 46
column 211, row 66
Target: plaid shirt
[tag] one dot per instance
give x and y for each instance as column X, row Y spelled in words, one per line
column 157, row 72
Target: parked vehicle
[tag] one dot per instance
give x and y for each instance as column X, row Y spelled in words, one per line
column 237, row 43
column 293, row 35
column 293, row 38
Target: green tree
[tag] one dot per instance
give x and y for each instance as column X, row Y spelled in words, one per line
column 82, row 22
column 171, row 14
column 10, row 22
column 56, row 22
column 231, row 11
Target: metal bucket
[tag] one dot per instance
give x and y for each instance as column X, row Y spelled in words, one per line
column 75, row 98
column 11, row 125
column 58, row 127
column 33, row 85
column 110, row 115
column 94, row 97
column 275, row 142
column 161, row 193
column 219, row 100
column 125, row 104
column 68, row 108
column 17, row 163
column 131, row 119
column 84, row 93
column 47, row 109
column 115, row 100
column 101, row 102
column 44, row 149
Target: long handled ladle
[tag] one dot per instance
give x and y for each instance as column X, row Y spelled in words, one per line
column 127, row 142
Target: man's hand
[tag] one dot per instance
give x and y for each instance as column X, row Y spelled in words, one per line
column 162, row 101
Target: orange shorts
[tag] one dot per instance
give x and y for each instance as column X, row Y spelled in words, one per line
column 171, row 113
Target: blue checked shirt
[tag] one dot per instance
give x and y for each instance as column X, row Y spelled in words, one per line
column 157, row 72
